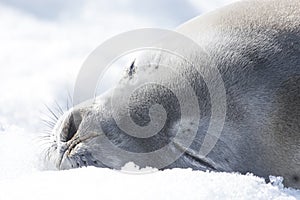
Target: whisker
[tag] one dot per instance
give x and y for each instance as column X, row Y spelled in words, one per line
column 69, row 101
column 49, row 124
column 47, row 141
column 51, row 111
column 50, row 119
column 44, row 137
column 59, row 108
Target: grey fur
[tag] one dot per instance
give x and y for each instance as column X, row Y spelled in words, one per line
column 255, row 45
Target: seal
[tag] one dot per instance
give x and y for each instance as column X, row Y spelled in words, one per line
column 255, row 45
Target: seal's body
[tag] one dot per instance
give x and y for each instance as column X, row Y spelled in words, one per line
column 255, row 45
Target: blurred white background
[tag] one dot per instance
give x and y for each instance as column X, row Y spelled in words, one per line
column 44, row 43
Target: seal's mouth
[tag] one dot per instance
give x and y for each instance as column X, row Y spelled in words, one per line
column 72, row 144
column 68, row 148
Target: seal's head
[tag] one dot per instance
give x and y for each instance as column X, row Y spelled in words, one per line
column 88, row 135
column 150, row 123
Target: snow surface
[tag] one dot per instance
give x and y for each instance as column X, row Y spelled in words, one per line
column 94, row 183
column 38, row 65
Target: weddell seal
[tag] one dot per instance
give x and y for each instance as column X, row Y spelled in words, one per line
column 255, row 45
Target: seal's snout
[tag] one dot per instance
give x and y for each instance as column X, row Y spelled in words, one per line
column 70, row 126
column 75, row 131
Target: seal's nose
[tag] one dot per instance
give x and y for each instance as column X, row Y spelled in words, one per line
column 70, row 126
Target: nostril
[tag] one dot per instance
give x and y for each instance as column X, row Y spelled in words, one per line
column 70, row 127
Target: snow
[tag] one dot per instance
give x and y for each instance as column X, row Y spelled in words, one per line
column 38, row 65
column 94, row 183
